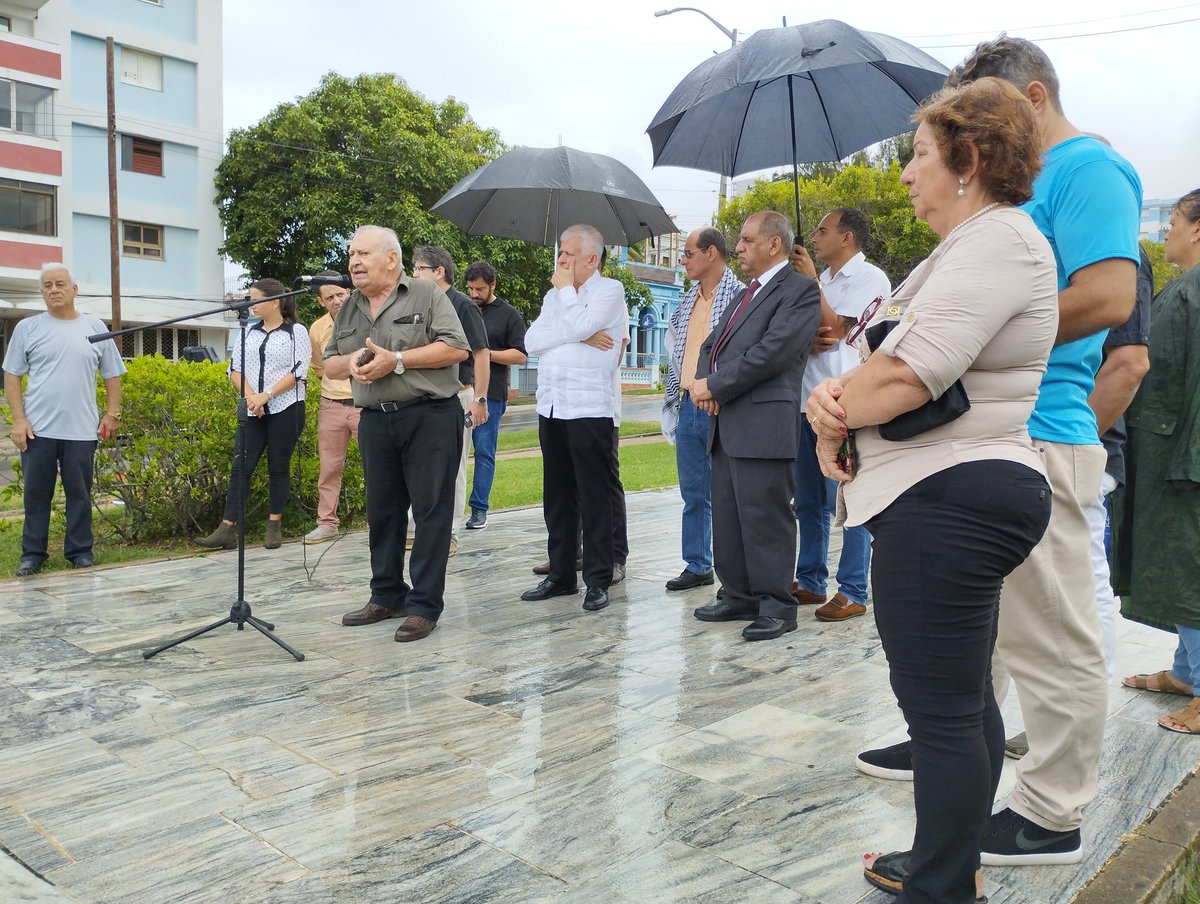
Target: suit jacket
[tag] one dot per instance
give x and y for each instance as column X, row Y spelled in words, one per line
column 761, row 367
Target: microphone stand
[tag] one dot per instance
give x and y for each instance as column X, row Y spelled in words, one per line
column 240, row 614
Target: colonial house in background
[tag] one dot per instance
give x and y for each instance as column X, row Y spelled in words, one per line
column 54, row 164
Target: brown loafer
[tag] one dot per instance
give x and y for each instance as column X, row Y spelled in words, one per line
column 803, row 596
column 839, row 609
column 414, row 628
column 369, row 614
column 544, row 568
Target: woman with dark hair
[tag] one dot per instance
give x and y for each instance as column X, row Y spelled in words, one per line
column 1156, row 516
column 928, row 437
column 277, row 354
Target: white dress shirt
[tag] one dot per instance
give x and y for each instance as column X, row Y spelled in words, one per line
column 848, row 292
column 576, row 380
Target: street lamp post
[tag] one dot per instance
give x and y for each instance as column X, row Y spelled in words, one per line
column 733, row 38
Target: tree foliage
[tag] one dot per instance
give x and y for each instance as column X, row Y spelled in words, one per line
column 898, row 239
column 637, row 296
column 293, row 187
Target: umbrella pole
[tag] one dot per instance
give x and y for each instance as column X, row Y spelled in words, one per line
column 795, row 164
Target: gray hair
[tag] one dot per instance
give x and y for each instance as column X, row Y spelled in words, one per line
column 54, row 267
column 435, row 256
column 1015, row 60
column 772, row 223
column 590, row 239
column 388, row 240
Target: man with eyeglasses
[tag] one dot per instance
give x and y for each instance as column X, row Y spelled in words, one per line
column 848, row 284
column 434, row 263
column 705, row 260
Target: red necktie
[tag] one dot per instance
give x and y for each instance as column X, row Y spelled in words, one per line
column 742, row 305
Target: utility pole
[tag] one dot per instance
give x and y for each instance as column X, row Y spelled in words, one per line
column 114, row 224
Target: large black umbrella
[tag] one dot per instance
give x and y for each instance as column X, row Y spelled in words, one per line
column 536, row 193
column 805, row 93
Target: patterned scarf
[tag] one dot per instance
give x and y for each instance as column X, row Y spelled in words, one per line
column 727, row 290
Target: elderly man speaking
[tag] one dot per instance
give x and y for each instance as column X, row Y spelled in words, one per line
column 577, row 338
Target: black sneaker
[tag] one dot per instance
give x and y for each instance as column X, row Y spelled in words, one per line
column 893, row 762
column 1012, row 840
column 478, row 520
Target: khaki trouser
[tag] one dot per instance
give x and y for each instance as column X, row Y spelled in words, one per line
column 466, row 396
column 1049, row 643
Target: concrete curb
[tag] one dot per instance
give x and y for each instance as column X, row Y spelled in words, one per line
column 1148, row 867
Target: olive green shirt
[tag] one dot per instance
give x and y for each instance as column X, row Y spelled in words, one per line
column 417, row 313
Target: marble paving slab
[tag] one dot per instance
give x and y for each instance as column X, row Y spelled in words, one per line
column 525, row 752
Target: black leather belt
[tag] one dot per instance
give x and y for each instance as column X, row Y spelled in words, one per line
column 390, row 407
column 338, row 401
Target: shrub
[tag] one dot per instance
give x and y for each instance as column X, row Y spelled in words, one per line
column 169, row 467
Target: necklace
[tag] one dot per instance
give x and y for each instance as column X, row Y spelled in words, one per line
column 973, row 216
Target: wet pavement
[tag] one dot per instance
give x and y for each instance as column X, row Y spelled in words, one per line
column 523, row 752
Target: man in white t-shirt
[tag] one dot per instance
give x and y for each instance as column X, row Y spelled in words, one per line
column 849, row 284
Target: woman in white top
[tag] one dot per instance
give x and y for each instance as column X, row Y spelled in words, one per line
column 954, row 496
column 278, row 351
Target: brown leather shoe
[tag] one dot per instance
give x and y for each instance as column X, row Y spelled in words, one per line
column 839, row 609
column 803, row 596
column 369, row 614
column 544, row 568
column 414, row 628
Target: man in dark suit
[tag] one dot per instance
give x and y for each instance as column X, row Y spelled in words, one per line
column 748, row 378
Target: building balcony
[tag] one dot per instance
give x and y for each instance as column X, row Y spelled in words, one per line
column 25, row 56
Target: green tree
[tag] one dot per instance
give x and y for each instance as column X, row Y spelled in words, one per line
column 293, row 187
column 1163, row 272
column 898, row 239
column 637, row 296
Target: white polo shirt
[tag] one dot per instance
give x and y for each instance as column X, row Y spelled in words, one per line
column 848, row 292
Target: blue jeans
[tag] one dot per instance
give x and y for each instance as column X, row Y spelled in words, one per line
column 695, row 486
column 1187, row 656
column 485, row 437
column 815, row 502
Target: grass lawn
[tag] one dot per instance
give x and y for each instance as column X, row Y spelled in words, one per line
column 528, row 439
column 518, row 483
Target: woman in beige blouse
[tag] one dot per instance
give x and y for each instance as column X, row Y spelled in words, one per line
column 957, row 506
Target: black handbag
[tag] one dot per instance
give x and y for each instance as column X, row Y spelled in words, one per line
column 951, row 404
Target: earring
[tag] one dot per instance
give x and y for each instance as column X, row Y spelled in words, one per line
column 961, row 187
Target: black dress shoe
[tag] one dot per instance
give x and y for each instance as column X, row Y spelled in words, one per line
column 722, row 611
column 689, row 579
column 618, row 573
column 547, row 589
column 720, row 593
column 84, row 560
column 595, row 599
column 766, row 628
column 28, row 566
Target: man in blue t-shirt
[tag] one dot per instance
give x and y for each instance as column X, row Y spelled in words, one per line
column 55, row 419
column 1087, row 202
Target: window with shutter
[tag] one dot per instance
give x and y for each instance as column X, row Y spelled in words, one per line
column 141, row 155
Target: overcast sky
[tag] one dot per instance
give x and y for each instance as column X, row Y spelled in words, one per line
column 592, row 75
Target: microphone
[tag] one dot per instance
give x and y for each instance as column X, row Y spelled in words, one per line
column 315, row 282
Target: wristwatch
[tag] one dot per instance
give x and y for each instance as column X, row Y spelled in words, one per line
column 399, row 364
column 482, row 400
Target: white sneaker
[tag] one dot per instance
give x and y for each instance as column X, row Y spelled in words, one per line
column 322, row 533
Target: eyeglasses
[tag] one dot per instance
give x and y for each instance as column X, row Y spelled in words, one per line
column 690, row 254
column 859, row 328
column 417, row 267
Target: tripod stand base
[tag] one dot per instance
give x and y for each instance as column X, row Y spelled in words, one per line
column 239, row 615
